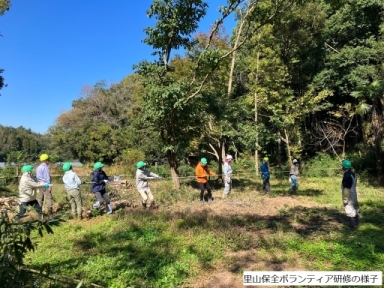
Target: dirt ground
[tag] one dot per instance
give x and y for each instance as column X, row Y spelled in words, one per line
column 230, row 275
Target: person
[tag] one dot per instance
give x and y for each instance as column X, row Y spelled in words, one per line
column 142, row 186
column 293, row 175
column 99, row 180
column 227, row 171
column 265, row 175
column 349, row 194
column 43, row 175
column 28, row 190
column 202, row 173
column 72, row 186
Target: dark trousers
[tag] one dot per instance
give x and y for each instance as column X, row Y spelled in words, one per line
column 205, row 186
column 23, row 207
column 102, row 196
column 266, row 185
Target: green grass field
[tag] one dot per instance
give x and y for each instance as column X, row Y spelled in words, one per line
column 186, row 244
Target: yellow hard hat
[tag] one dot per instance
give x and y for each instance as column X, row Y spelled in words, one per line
column 44, row 157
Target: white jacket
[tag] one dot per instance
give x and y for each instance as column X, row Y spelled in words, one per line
column 28, row 187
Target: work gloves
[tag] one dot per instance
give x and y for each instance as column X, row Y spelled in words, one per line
column 46, row 185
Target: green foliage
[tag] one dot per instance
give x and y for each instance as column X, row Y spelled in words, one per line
column 21, row 140
column 4, row 6
column 322, row 165
column 15, row 242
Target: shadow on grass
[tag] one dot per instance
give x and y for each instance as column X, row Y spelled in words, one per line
column 147, row 252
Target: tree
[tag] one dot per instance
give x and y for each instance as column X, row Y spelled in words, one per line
column 353, row 64
column 4, row 6
column 15, row 242
column 280, row 61
column 169, row 100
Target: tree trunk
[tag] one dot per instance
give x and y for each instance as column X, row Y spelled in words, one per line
column 257, row 133
column 377, row 123
column 172, row 160
column 286, row 140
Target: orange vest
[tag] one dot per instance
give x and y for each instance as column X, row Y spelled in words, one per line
column 202, row 173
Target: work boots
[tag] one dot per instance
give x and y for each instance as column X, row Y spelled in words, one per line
column 108, row 208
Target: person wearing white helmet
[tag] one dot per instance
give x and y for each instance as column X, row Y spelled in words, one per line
column 227, row 171
column 43, row 174
column 293, row 174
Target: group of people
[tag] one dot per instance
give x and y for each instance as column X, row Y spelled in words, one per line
column 33, row 191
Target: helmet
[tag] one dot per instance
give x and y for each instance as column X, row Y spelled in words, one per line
column 140, row 164
column 27, row 168
column 229, row 157
column 44, row 157
column 67, row 166
column 294, row 161
column 346, row 164
column 204, row 161
column 266, row 159
column 98, row 165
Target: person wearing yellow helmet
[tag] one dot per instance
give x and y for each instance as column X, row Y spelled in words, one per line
column 349, row 194
column 72, row 186
column 202, row 174
column 99, row 180
column 28, row 190
column 142, row 186
column 43, row 174
column 265, row 175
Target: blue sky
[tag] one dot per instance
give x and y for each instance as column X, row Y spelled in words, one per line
column 50, row 49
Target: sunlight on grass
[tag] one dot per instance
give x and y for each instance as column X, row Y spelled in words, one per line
column 306, row 230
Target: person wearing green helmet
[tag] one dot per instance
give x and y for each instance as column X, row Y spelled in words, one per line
column 99, row 180
column 265, row 175
column 28, row 191
column 72, row 186
column 142, row 186
column 43, row 174
column 349, row 194
column 202, row 174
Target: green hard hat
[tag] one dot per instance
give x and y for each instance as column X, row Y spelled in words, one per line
column 266, row 159
column 27, row 168
column 204, row 161
column 140, row 164
column 346, row 164
column 67, row 166
column 98, row 165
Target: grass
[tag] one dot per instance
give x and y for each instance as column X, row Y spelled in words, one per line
column 184, row 244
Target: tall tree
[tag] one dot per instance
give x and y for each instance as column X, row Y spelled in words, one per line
column 170, row 101
column 4, row 6
column 354, row 61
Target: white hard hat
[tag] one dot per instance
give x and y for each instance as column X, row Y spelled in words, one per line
column 295, row 161
column 228, row 157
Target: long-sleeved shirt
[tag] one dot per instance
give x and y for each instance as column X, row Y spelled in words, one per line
column 71, row 180
column 227, row 169
column 202, row 173
column 294, row 170
column 264, row 170
column 142, row 177
column 42, row 173
column 27, row 187
column 98, row 184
